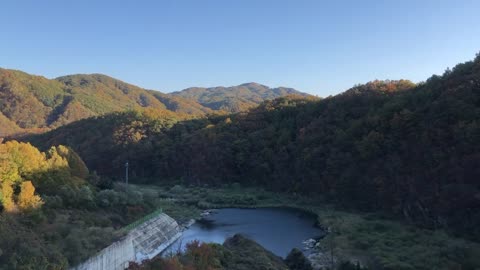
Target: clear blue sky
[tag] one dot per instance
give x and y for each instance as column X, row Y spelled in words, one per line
column 321, row 47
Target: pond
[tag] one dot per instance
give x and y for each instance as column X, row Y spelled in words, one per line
column 276, row 229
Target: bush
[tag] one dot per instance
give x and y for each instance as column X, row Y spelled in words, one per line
column 350, row 266
column 53, row 201
column 177, row 189
column 297, row 261
column 134, row 197
column 68, row 195
column 204, row 205
column 109, row 198
column 86, row 198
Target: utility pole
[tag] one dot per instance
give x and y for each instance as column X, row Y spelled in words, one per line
column 126, row 172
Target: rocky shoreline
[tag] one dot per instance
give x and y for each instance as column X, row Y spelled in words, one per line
column 318, row 257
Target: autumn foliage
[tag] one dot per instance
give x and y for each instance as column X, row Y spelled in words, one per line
column 408, row 150
column 236, row 253
column 27, row 199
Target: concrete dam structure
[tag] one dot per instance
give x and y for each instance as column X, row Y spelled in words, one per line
column 141, row 243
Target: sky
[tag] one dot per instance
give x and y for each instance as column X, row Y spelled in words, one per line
column 319, row 47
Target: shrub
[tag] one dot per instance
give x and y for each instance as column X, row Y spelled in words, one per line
column 86, row 198
column 177, row 189
column 297, row 261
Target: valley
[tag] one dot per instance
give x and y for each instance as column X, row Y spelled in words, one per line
column 240, row 135
column 388, row 169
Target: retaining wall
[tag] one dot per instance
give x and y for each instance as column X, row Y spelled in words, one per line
column 143, row 242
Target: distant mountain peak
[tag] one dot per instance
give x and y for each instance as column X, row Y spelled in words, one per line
column 34, row 103
column 235, row 98
column 254, row 84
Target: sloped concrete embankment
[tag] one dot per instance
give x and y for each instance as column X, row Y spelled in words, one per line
column 141, row 243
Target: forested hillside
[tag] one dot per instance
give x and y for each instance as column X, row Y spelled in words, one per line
column 52, row 213
column 235, row 98
column 408, row 150
column 107, row 141
column 34, row 104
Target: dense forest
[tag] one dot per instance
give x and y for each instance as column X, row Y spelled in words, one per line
column 34, row 104
column 408, row 150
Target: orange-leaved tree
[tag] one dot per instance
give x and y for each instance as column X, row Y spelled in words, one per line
column 27, row 199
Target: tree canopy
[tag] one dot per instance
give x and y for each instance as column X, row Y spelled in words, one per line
column 408, row 150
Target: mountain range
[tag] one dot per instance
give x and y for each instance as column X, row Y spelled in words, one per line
column 235, row 98
column 33, row 104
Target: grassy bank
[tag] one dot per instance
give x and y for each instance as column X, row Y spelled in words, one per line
column 370, row 238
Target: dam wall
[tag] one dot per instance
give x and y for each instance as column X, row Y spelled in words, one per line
column 143, row 242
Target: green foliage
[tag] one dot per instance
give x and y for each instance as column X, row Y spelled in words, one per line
column 296, row 261
column 111, row 198
column 177, row 189
column 54, row 220
column 350, row 266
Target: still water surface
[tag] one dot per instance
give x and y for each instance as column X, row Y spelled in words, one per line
column 276, row 229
